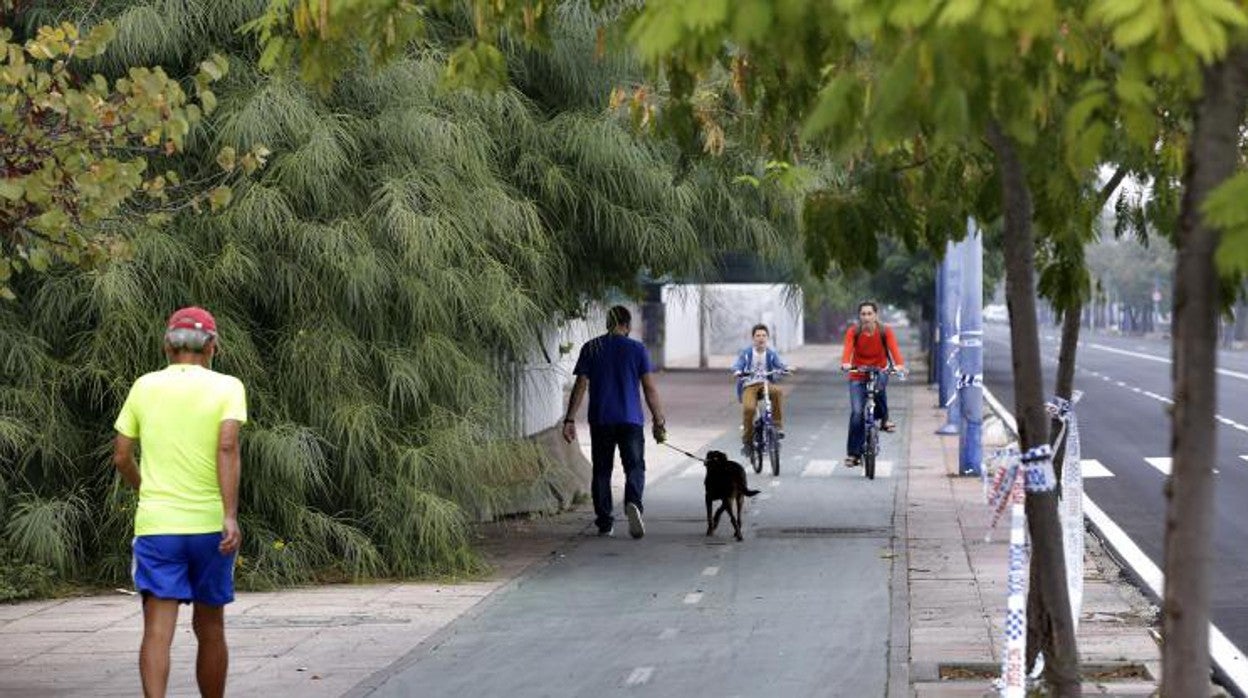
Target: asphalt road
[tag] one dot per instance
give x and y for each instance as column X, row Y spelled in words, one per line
column 800, row 608
column 1127, row 388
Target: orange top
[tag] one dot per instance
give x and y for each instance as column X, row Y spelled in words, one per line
column 868, row 350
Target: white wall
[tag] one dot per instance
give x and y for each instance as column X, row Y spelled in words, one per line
column 540, row 390
column 732, row 309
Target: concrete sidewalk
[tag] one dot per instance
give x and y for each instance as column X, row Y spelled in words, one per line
column 957, row 583
column 948, row 589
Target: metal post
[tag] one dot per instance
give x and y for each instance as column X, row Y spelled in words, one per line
column 950, row 301
column 937, row 353
column 971, row 356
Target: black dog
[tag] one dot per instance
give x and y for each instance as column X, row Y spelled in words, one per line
column 725, row 481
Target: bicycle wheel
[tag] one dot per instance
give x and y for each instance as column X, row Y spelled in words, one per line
column 775, row 457
column 868, row 454
column 756, row 455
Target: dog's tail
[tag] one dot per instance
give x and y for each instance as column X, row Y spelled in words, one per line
column 750, row 493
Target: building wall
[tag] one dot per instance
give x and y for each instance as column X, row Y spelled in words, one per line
column 731, row 310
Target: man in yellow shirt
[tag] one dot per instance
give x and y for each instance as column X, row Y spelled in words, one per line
column 187, row 418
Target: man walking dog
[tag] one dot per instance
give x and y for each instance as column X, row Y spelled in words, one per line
column 187, row 418
column 612, row 367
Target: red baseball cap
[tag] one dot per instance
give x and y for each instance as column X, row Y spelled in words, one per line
column 193, row 318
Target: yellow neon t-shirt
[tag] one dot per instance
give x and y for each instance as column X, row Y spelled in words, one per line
column 176, row 416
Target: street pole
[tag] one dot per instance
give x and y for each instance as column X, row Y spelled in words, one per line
column 949, row 336
column 971, row 356
column 937, row 354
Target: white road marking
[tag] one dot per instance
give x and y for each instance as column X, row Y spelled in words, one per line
column 1162, row 464
column 710, row 571
column 1161, row 359
column 883, row 468
column 639, row 676
column 1094, row 468
column 668, row 633
column 1245, row 458
column 693, row 597
column 819, row 468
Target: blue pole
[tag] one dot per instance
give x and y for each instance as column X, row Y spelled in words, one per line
column 971, row 357
column 949, row 336
column 938, row 344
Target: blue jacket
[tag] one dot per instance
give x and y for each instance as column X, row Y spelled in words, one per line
column 772, row 362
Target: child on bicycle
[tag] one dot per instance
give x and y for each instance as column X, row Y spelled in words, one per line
column 868, row 343
column 756, row 359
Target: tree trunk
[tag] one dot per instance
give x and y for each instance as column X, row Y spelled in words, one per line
column 1048, row 565
column 1211, row 159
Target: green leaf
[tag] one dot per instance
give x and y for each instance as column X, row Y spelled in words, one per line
column 751, row 21
column 227, row 159
column 958, row 12
column 12, row 189
column 1224, row 209
column 220, row 197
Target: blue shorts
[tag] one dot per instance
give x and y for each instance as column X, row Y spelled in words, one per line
column 185, row 567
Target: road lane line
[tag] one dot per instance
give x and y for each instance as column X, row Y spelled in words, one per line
column 639, row 676
column 1225, row 654
column 710, row 571
column 693, row 597
column 1162, row 464
column 1094, row 468
column 1161, row 359
column 819, row 468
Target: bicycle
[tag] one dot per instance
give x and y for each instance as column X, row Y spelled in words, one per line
column 766, row 442
column 871, row 428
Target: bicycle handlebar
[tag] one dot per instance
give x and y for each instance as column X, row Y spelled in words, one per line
column 892, row 371
column 764, row 374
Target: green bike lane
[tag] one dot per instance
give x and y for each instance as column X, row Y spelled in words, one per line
column 801, row 607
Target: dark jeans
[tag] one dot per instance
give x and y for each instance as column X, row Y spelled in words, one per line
column 603, row 440
column 857, row 405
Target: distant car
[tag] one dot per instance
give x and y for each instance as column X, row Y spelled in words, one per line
column 996, row 313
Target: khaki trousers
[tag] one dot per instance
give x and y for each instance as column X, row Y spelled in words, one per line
column 749, row 403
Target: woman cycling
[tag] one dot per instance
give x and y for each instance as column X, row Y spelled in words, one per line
column 758, row 358
column 868, row 343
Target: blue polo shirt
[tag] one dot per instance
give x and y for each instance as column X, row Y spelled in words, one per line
column 614, row 365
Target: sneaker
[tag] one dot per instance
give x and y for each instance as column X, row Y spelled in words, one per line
column 636, row 527
column 853, row 461
column 607, row 532
column 779, row 433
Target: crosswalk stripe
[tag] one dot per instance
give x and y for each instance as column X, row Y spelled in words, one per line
column 1244, row 458
column 1094, row 468
column 819, row 468
column 883, row 468
column 1162, row 464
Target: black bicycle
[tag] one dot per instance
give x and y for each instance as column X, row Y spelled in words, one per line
column 871, row 427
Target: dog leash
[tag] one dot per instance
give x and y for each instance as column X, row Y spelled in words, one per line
column 681, row 450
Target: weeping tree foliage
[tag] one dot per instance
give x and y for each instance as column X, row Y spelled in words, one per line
column 374, row 287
